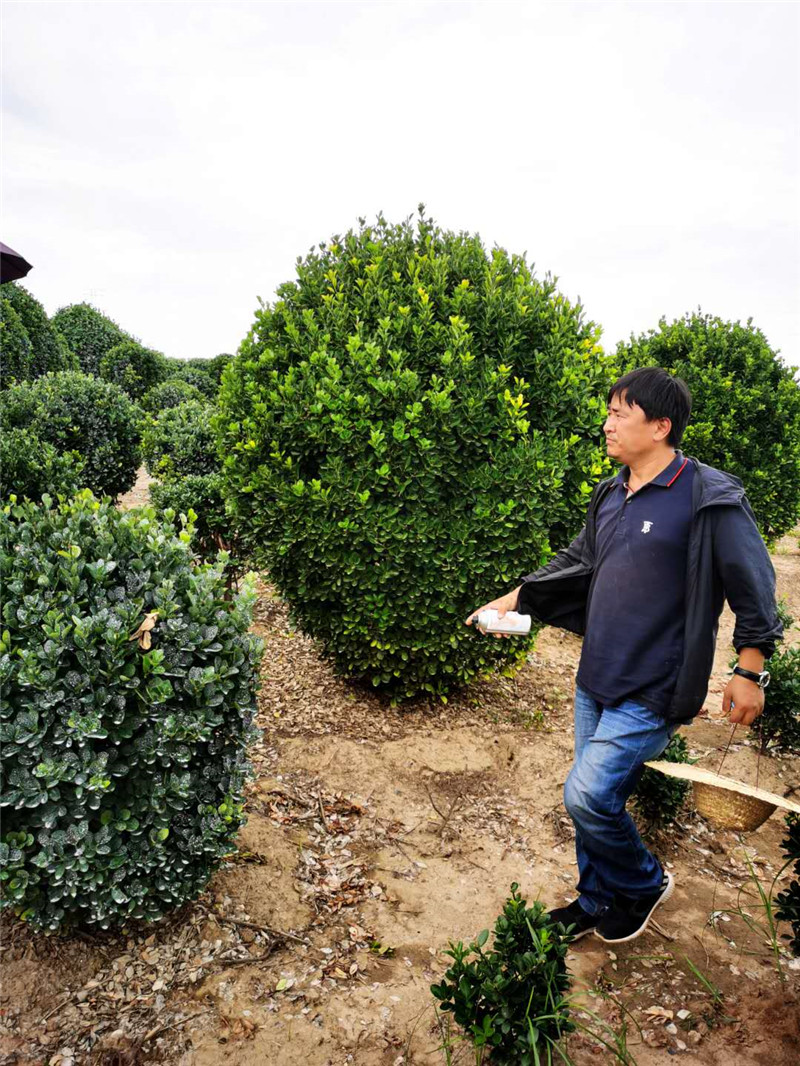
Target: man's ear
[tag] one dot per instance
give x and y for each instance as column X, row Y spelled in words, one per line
column 662, row 427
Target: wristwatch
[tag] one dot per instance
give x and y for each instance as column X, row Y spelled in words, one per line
column 762, row 679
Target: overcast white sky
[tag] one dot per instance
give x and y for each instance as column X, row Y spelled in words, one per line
column 168, row 161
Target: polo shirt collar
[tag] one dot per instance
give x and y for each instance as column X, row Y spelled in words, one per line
column 665, row 478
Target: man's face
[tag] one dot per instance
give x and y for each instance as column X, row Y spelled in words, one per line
column 629, row 436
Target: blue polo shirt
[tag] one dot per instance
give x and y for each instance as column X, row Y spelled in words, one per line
column 633, row 645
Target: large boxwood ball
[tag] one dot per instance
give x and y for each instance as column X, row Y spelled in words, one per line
column 134, row 368
column 412, row 425
column 49, row 351
column 89, row 333
column 78, row 412
column 745, row 407
column 16, row 351
column 128, row 681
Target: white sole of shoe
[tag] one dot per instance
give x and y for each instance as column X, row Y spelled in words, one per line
column 580, row 936
column 632, row 936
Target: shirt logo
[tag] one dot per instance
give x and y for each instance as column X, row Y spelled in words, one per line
column 646, row 527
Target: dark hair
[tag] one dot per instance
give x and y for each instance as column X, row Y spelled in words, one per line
column 659, row 394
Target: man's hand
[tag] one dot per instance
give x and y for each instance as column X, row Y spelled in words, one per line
column 501, row 605
column 744, row 699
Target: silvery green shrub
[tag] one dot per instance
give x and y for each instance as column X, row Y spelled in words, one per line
column 127, row 685
column 79, row 412
column 411, row 426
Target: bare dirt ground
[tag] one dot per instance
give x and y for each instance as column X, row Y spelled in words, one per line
column 375, row 835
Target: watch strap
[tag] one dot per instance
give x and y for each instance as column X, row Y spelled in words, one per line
column 751, row 675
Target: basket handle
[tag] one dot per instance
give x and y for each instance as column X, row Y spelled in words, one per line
column 725, row 752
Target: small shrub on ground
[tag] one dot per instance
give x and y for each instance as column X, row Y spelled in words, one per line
column 788, row 901
column 179, row 450
column 180, row 442
column 413, row 425
column 786, row 618
column 201, row 493
column 80, row 413
column 16, row 353
column 128, row 697
column 511, row 1000
column 746, row 407
column 30, row 467
column 134, row 368
column 778, row 728
column 170, row 393
column 658, row 799
column 89, row 334
column 47, row 351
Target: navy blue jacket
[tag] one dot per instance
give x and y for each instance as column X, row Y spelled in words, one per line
column 727, row 559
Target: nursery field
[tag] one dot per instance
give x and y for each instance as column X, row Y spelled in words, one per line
column 377, row 834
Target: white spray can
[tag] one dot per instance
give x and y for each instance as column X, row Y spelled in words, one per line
column 511, row 622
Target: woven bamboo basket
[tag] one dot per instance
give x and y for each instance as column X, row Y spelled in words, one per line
column 725, row 802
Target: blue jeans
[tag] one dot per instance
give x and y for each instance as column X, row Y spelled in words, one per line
column 611, row 743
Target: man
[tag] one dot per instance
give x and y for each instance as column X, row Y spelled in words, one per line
column 665, row 542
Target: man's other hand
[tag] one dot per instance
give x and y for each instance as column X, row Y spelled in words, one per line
column 501, row 605
column 744, row 699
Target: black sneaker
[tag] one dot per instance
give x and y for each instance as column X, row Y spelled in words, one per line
column 574, row 916
column 628, row 917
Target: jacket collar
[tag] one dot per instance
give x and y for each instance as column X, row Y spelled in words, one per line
column 715, row 487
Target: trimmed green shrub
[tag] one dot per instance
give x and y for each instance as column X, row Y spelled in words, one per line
column 511, row 1001
column 180, row 442
column 78, row 412
column 47, row 353
column 30, row 467
column 201, row 379
column 201, row 493
column 128, row 695
column 217, row 364
column 746, row 407
column 414, row 424
column 89, row 333
column 212, row 367
column 179, row 449
column 170, row 393
column 16, row 351
column 778, row 728
column 788, row 909
column 134, row 368
column 659, row 799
